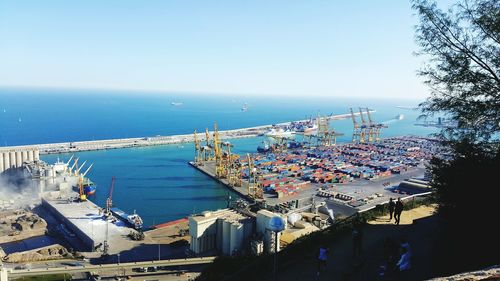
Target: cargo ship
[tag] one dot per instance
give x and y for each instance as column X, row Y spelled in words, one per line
column 133, row 220
column 89, row 187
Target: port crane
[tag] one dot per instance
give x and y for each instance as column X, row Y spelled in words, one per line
column 208, row 148
column 356, row 133
column 81, row 192
column 376, row 127
column 198, row 154
column 254, row 190
column 220, row 168
column 325, row 134
column 109, row 200
column 364, row 127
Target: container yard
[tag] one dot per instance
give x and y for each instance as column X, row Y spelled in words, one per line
column 356, row 176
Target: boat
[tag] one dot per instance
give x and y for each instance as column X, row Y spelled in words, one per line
column 280, row 132
column 133, row 220
column 264, row 148
column 89, row 187
column 400, row 117
column 176, row 103
column 309, row 130
column 245, row 107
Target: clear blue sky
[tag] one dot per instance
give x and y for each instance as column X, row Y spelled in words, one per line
column 281, row 47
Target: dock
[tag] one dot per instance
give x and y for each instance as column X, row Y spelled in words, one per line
column 83, row 222
column 77, row 146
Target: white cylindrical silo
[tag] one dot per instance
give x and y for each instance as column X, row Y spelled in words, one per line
column 30, row 155
column 25, row 156
column 36, row 155
column 1, row 162
column 19, row 159
column 6, row 161
column 12, row 157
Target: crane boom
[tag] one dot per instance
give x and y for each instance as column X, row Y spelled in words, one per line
column 353, row 118
column 78, row 169
column 71, row 158
column 88, row 169
column 109, row 201
column 363, row 121
column 369, row 116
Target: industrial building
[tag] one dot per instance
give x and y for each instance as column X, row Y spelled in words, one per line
column 225, row 231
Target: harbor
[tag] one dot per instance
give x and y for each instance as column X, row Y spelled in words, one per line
column 299, row 173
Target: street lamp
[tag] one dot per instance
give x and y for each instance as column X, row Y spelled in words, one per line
column 276, row 225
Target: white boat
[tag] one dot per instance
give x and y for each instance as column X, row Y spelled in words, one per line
column 279, row 133
column 176, row 103
column 245, row 107
column 311, row 129
column 400, row 117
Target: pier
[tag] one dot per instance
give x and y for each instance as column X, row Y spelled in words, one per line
column 77, row 146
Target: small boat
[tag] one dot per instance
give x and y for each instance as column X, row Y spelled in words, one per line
column 176, row 103
column 309, row 130
column 134, row 220
column 400, row 117
column 245, row 107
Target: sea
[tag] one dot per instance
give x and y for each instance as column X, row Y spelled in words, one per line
column 156, row 182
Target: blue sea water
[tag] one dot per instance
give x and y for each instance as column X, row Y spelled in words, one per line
column 156, row 181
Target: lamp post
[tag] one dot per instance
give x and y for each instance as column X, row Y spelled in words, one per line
column 276, row 225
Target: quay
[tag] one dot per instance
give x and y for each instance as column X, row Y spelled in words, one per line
column 70, row 147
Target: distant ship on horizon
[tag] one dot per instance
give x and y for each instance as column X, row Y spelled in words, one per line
column 245, row 107
column 176, row 103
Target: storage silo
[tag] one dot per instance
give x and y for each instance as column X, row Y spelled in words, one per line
column 6, row 161
column 36, row 155
column 19, row 159
column 1, row 162
column 25, row 156
column 30, row 155
column 12, row 157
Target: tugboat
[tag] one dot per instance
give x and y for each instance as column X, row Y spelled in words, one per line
column 89, row 187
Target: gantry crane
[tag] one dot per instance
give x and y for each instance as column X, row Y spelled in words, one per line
column 356, row 133
column 377, row 127
column 254, row 189
column 220, row 169
column 109, row 200
column 364, row 127
column 208, row 151
column 326, row 134
column 198, row 155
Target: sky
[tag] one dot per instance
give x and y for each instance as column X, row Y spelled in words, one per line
column 261, row 47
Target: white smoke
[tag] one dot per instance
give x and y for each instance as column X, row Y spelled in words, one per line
column 17, row 190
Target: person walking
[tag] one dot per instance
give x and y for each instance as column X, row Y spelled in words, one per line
column 391, row 208
column 322, row 258
column 398, row 209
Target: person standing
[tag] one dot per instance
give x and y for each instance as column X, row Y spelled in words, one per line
column 322, row 257
column 398, row 209
column 391, row 208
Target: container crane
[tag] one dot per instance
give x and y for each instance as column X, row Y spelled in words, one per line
column 220, row 169
column 81, row 192
column 254, row 191
column 198, row 158
column 207, row 149
column 364, row 126
column 109, row 200
column 372, row 132
column 356, row 133
column 378, row 126
column 325, row 133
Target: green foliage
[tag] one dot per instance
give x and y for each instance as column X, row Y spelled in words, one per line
column 462, row 48
column 50, row 277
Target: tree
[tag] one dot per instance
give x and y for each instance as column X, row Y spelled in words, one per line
column 463, row 66
column 462, row 50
